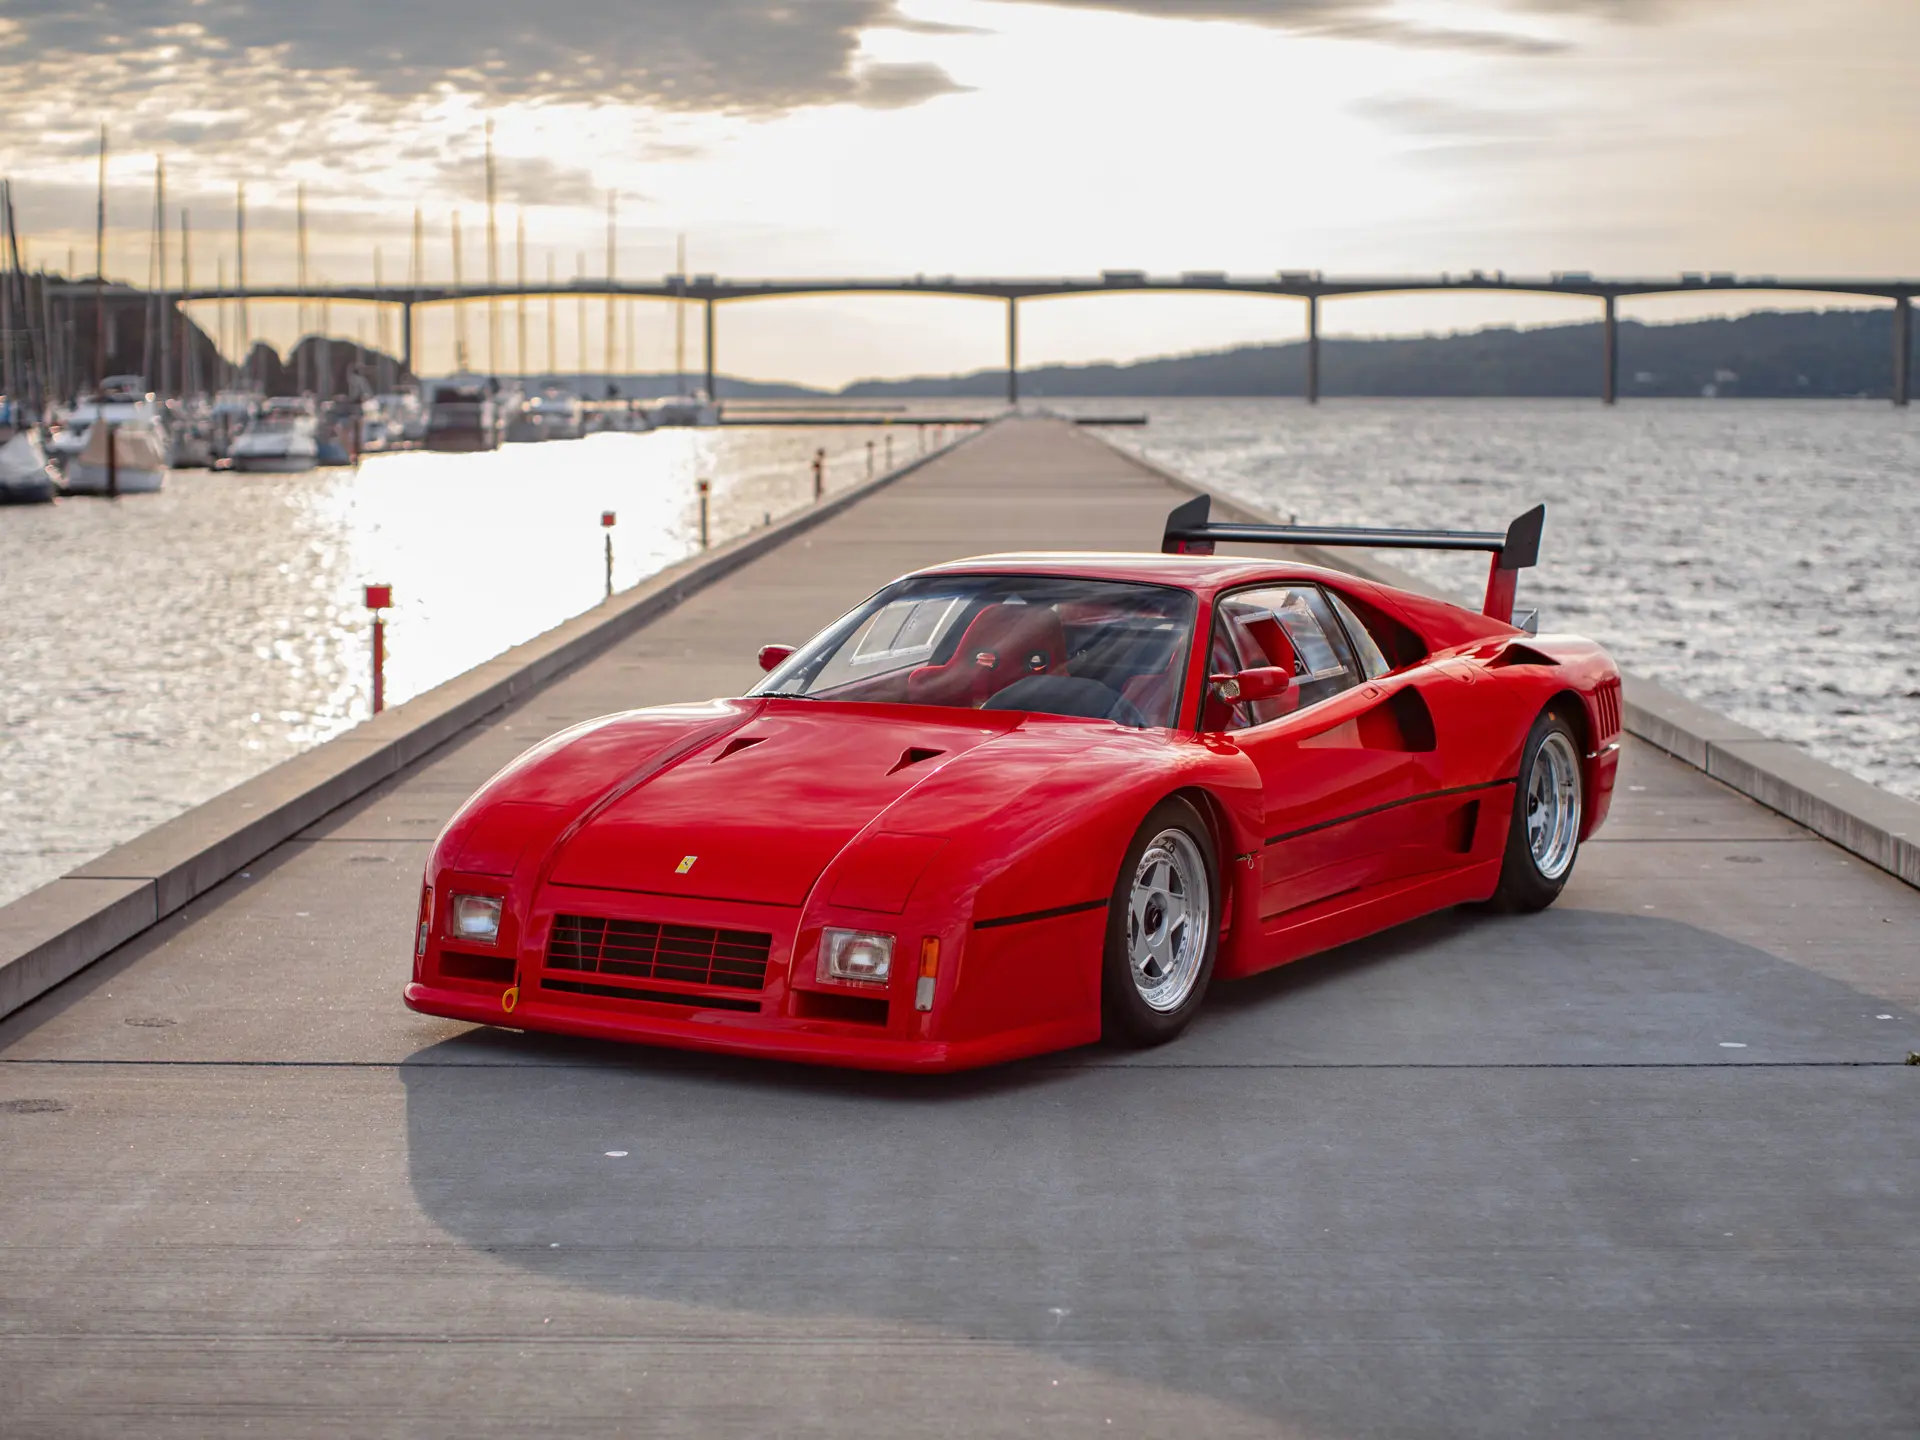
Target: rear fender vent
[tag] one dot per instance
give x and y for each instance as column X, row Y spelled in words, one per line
column 737, row 744
column 1400, row 722
column 913, row 755
column 1520, row 655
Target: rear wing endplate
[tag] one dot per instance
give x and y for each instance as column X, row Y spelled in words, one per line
column 1190, row 532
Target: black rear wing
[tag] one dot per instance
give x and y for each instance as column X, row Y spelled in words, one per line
column 1190, row 532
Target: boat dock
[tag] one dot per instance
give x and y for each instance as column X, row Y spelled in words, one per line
column 1643, row 1164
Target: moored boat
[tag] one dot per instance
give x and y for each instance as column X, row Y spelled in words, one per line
column 25, row 476
column 125, row 444
column 676, row 411
column 464, row 414
column 281, row 439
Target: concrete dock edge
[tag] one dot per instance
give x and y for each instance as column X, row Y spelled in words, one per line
column 1878, row 826
column 54, row 932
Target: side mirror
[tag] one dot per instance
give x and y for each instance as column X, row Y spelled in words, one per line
column 1267, row 683
column 772, row 657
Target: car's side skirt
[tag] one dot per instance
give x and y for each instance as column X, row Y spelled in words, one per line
column 1342, row 918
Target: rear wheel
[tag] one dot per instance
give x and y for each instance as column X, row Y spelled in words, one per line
column 1162, row 928
column 1544, row 839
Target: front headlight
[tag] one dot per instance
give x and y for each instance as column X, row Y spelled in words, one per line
column 475, row 917
column 859, row 957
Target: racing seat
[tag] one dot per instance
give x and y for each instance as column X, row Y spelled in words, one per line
column 1002, row 644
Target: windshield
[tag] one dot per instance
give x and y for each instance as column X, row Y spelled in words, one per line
column 1097, row 649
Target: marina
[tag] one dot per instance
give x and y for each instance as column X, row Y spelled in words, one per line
column 247, row 1179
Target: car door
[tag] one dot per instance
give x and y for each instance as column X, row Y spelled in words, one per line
column 1328, row 786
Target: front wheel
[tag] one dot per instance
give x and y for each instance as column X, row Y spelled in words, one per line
column 1162, row 928
column 1544, row 839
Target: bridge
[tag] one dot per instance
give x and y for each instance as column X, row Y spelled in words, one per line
column 1309, row 287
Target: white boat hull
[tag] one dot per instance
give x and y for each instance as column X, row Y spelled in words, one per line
column 139, row 461
column 86, row 478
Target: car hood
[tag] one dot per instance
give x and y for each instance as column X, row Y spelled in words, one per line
column 758, row 813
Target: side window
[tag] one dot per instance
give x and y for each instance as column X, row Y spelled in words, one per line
column 1252, row 624
column 1373, row 663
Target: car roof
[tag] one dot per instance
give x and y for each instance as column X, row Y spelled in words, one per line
column 1202, row 573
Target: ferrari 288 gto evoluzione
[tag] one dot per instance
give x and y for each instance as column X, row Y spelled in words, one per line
column 1025, row 802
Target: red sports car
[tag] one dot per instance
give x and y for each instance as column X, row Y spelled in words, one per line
column 1025, row 802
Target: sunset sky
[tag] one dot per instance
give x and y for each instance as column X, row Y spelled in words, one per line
column 981, row 137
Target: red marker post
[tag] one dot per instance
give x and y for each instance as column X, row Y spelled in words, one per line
column 607, row 518
column 705, row 489
column 379, row 598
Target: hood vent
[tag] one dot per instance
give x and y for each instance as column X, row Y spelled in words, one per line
column 737, row 744
column 913, row 755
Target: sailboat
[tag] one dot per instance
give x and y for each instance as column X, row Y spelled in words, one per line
column 282, row 437
column 125, row 447
column 25, row 476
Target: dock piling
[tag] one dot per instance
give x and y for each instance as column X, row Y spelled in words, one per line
column 706, row 488
column 1610, row 342
column 378, row 598
column 1313, row 349
column 607, row 518
column 1013, row 352
column 1902, row 349
column 819, row 473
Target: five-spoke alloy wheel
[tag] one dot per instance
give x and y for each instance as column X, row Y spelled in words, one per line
column 1544, row 838
column 1161, row 927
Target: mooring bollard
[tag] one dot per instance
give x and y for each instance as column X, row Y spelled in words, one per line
column 379, row 598
column 607, row 518
column 705, row 487
column 819, row 473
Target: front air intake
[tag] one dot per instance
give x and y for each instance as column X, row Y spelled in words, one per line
column 648, row 950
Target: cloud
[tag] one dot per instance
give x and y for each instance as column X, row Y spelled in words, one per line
column 734, row 56
column 523, row 180
column 1357, row 20
column 895, row 87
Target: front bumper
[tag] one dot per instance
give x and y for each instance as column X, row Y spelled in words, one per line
column 768, row 1037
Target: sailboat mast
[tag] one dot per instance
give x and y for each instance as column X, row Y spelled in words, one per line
column 100, row 270
column 680, row 318
column 160, row 265
column 459, row 305
column 6, row 303
column 189, row 381
column 244, row 337
column 610, row 268
column 300, row 273
column 520, row 272
column 493, row 268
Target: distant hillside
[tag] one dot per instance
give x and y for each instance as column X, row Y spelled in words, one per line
column 1813, row 354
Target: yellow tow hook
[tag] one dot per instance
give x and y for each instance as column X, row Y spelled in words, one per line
column 512, row 996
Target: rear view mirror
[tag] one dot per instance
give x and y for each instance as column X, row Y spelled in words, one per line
column 773, row 656
column 1267, row 683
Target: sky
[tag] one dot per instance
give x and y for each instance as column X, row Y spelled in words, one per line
column 971, row 137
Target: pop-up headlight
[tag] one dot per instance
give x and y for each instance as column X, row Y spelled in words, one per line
column 859, row 957
column 475, row 917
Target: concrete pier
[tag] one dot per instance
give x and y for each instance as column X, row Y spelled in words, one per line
column 1641, row 1165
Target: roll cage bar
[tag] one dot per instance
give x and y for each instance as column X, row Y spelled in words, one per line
column 1190, row 531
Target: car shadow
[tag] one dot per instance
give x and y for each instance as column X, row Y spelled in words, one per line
column 1432, row 1183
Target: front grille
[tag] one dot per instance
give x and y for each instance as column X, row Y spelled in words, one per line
column 647, row 950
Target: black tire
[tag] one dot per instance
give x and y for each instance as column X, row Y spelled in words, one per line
column 1128, row 1017
column 1525, row 885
